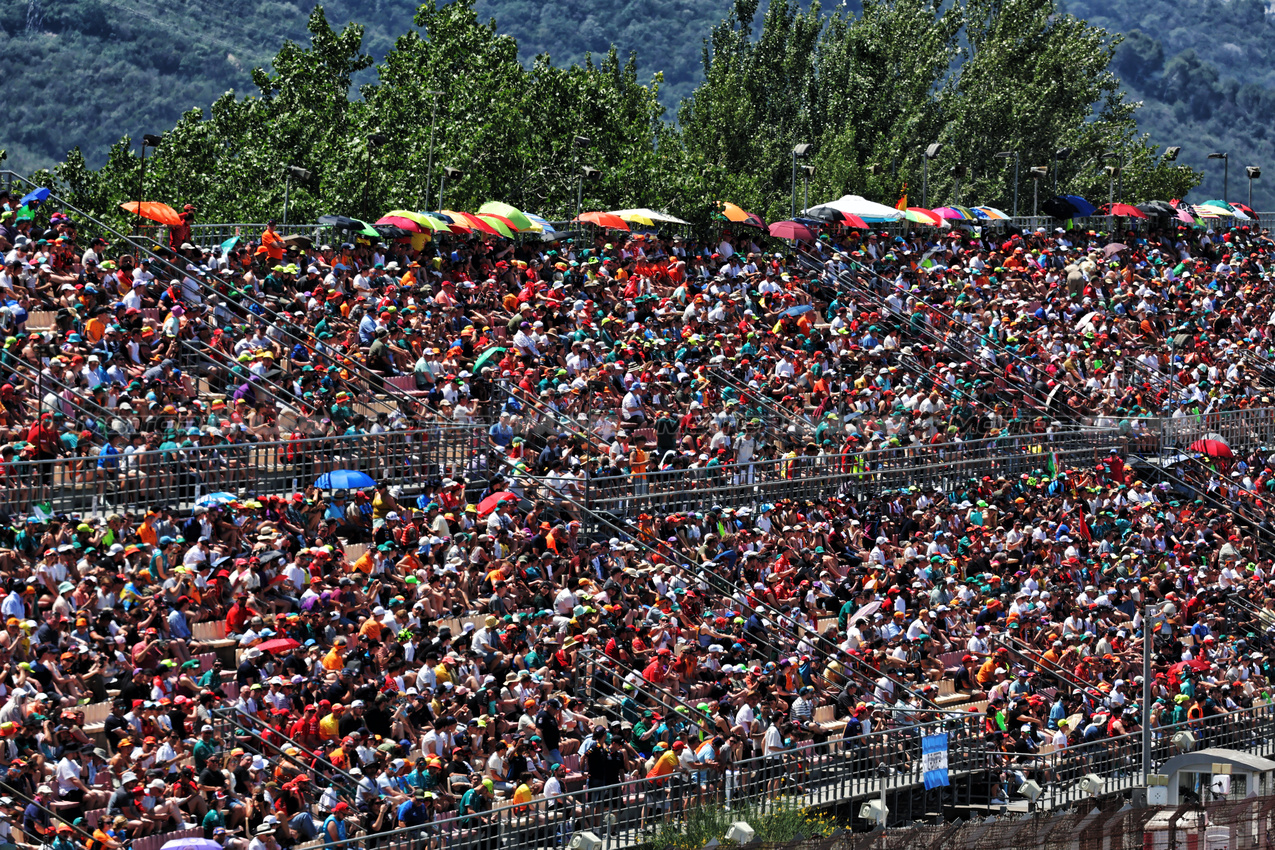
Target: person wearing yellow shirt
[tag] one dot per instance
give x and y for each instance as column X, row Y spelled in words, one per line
column 666, row 762
column 330, row 725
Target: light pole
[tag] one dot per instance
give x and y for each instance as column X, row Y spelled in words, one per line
column 1111, row 184
column 1007, row 155
column 1059, row 156
column 429, row 164
column 448, row 171
column 1253, row 173
column 148, row 140
column 586, row 173
column 930, row 152
column 798, row 152
column 1037, row 173
column 302, row 174
column 1226, row 174
column 807, row 172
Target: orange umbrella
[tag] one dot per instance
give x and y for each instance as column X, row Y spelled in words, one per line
column 733, row 212
column 153, row 210
column 603, row 219
column 473, row 222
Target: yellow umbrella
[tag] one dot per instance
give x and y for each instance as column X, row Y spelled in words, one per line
column 636, row 218
column 426, row 221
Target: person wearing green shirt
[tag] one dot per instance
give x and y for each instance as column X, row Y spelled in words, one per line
column 212, row 821
column 205, row 747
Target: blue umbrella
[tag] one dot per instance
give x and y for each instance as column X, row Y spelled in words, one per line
column 215, row 499
column 344, row 479
column 1083, row 207
column 35, row 197
column 798, row 310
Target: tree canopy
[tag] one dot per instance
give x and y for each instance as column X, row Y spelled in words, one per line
column 867, row 91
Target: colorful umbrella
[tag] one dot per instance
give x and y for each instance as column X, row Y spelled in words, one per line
column 402, row 223
column 732, row 212
column 1212, row 448
column 34, row 198
column 278, row 645
column 427, row 222
column 1246, row 209
column 499, row 224
column 344, row 479
column 516, row 217
column 603, row 219
column 636, row 218
column 471, row 221
column 954, row 214
column 1124, row 210
column 154, row 211
column 543, row 223
column 493, row 501
column 920, row 215
column 211, row 499
column 990, row 213
column 791, row 230
column 344, row 222
column 486, row 357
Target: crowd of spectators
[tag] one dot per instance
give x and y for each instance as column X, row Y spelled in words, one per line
column 608, row 578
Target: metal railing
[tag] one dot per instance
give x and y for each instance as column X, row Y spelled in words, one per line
column 180, row 476
column 1250, row 428
column 853, row 476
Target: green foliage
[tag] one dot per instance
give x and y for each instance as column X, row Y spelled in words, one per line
column 863, row 89
column 980, row 77
column 776, row 824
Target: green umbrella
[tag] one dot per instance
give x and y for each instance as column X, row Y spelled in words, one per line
column 514, row 214
column 486, row 357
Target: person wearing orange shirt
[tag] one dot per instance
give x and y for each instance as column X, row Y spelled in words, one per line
column 272, row 242
column 638, row 460
column 335, row 659
column 372, row 627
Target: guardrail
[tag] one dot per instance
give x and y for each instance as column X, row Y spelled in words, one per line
column 852, row 476
column 180, row 476
column 1251, row 428
column 886, row 762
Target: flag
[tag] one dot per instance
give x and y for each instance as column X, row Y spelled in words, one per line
column 903, row 202
column 1082, row 526
column 1053, row 464
column 934, row 760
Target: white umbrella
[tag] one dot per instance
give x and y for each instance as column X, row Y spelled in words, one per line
column 651, row 214
column 864, row 209
column 866, row 611
column 1087, row 319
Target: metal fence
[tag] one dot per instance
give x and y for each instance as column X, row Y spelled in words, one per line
column 886, row 763
column 851, row 476
column 178, row 477
column 1250, row 429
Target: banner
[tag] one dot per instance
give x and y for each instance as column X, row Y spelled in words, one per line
column 934, row 760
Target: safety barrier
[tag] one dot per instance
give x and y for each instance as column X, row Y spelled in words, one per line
column 851, row 476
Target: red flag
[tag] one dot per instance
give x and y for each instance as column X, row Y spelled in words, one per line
column 902, row 203
column 1083, row 527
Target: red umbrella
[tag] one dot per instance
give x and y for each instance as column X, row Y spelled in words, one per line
column 493, row 501
column 475, row 223
column 500, row 218
column 1212, row 448
column 278, row 645
column 603, row 219
column 754, row 220
column 791, row 230
column 854, row 221
column 1195, row 665
column 1247, row 210
column 398, row 221
column 1125, row 210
